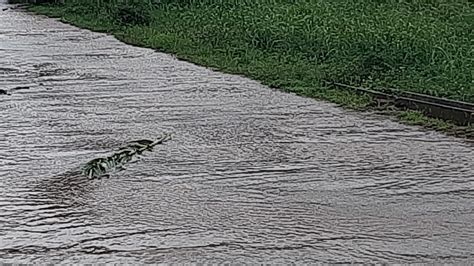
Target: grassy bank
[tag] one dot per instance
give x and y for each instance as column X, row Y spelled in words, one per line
column 423, row 46
column 419, row 45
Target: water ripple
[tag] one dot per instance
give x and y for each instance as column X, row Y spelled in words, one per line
column 253, row 175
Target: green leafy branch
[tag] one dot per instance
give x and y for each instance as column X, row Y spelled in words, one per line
column 101, row 167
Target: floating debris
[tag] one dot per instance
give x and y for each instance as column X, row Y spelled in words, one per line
column 20, row 88
column 101, row 167
column 7, row 92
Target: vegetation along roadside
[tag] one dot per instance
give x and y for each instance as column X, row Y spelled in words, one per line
column 422, row 46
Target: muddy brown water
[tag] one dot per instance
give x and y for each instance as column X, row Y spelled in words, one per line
column 252, row 175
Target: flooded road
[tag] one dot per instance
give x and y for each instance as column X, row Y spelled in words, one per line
column 252, row 174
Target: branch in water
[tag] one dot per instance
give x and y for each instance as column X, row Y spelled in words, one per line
column 100, row 167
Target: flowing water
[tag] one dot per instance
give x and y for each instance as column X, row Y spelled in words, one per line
column 252, row 174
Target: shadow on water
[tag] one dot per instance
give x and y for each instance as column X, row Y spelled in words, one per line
column 44, row 208
column 65, row 187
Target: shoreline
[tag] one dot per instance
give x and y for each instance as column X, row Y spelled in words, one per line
column 145, row 36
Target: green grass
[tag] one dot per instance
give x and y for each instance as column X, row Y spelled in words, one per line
column 418, row 119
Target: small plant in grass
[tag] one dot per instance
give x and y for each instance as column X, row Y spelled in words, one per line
column 131, row 13
column 101, row 167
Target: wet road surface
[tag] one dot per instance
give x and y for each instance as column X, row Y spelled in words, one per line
column 252, row 175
